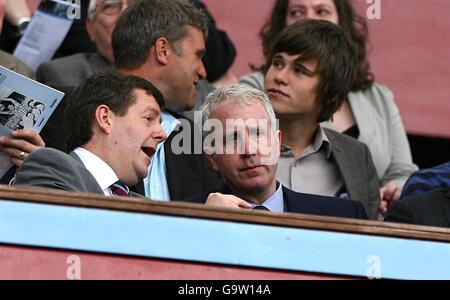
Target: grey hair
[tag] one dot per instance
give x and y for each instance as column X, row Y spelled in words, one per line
column 241, row 94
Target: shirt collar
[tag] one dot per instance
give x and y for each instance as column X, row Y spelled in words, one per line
column 275, row 202
column 320, row 140
column 102, row 172
column 169, row 123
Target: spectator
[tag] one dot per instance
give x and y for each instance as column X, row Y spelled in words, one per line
column 247, row 156
column 310, row 69
column 114, row 123
column 369, row 112
column 427, row 180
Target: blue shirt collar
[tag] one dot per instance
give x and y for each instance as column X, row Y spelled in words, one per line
column 275, row 203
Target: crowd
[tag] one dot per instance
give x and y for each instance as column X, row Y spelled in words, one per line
column 313, row 132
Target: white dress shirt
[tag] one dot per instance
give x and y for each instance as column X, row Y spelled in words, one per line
column 102, row 172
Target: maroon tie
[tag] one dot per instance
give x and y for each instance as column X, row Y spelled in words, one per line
column 120, row 189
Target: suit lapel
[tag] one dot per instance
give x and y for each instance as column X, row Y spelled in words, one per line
column 93, row 182
column 338, row 154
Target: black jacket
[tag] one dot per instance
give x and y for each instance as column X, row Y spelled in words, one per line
column 305, row 203
column 430, row 209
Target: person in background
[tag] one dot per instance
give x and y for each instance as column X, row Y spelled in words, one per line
column 369, row 112
column 246, row 150
column 427, row 180
column 310, row 69
column 21, row 142
column 429, row 209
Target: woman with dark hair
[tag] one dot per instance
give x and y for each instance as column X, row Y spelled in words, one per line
column 369, row 113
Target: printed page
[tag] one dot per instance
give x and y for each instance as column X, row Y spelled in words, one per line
column 24, row 104
column 46, row 31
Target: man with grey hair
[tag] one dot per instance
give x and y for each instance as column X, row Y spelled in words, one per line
column 243, row 144
column 71, row 70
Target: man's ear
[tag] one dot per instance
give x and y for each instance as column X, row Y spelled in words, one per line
column 212, row 161
column 162, row 50
column 90, row 29
column 103, row 118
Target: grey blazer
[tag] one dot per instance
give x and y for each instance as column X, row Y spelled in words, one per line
column 355, row 164
column 380, row 127
column 54, row 169
column 69, row 71
column 14, row 64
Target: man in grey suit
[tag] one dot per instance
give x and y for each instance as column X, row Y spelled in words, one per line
column 310, row 69
column 114, row 129
column 71, row 70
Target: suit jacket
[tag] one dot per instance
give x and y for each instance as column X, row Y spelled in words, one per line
column 305, row 203
column 54, row 169
column 430, row 209
column 355, row 164
column 14, row 64
column 71, row 70
column 187, row 174
column 380, row 128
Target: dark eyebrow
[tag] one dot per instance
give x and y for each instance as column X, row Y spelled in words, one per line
column 201, row 53
column 299, row 63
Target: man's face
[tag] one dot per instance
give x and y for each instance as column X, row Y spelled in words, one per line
column 101, row 26
column 185, row 71
column 245, row 162
column 291, row 86
column 135, row 137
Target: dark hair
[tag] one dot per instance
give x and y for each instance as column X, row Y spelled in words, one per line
column 111, row 89
column 335, row 55
column 353, row 25
column 144, row 22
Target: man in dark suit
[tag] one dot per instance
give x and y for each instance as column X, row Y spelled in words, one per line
column 114, row 129
column 242, row 142
column 163, row 41
column 429, row 209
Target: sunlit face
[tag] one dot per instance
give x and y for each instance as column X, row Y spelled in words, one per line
column 101, row 26
column 186, row 70
column 311, row 9
column 248, row 170
column 291, row 86
column 135, row 137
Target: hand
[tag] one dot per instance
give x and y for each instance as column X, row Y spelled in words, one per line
column 389, row 193
column 228, row 201
column 21, row 144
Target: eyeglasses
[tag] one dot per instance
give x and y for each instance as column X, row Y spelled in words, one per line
column 109, row 7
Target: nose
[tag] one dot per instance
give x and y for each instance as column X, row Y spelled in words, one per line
column 281, row 76
column 159, row 135
column 201, row 70
column 251, row 146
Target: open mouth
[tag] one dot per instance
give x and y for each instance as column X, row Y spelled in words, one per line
column 149, row 151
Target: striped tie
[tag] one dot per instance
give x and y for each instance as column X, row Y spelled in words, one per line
column 120, row 189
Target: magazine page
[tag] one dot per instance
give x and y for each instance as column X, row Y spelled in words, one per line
column 45, row 33
column 24, row 104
